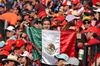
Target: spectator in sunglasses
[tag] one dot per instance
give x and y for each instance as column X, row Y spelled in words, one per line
column 10, row 31
column 61, row 58
column 86, row 24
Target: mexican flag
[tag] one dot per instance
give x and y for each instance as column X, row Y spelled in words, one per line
column 51, row 43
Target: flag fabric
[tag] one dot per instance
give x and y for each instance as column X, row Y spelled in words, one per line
column 51, row 43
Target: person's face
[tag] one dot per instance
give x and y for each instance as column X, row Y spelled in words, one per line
column 87, row 24
column 29, row 7
column 12, row 47
column 85, row 5
column 97, row 15
column 46, row 25
column 18, row 31
column 15, row 10
column 36, row 25
column 11, row 63
column 60, row 62
column 89, row 35
column 77, row 5
column 26, row 17
column 9, row 33
column 32, row 14
column 1, row 9
column 66, row 7
column 22, row 48
column 19, row 18
column 23, row 60
column 20, row 59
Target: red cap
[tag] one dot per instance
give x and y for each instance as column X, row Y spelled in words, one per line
column 7, row 47
column 11, row 42
column 19, row 43
column 63, row 23
column 92, row 29
column 42, row 13
column 93, row 41
column 60, row 18
column 53, row 23
column 75, row 1
column 54, row 14
column 4, row 53
column 66, row 3
column 0, row 36
column 79, row 23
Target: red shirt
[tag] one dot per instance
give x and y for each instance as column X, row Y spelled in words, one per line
column 39, row 7
column 93, row 41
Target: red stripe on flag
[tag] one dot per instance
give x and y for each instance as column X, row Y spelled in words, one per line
column 67, row 42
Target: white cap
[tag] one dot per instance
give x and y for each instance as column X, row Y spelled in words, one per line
column 68, row 3
column 71, row 17
column 10, row 28
column 72, row 60
column 27, row 55
column 98, row 10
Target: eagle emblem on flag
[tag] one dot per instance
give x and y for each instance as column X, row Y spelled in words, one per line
column 50, row 49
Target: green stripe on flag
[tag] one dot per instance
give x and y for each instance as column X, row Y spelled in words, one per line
column 35, row 36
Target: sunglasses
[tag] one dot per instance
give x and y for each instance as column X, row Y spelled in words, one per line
column 86, row 22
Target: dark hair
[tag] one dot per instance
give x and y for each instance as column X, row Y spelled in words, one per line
column 28, row 2
column 46, row 19
column 71, row 23
column 20, row 14
column 37, row 1
column 35, row 21
column 95, row 35
column 89, row 3
column 29, row 62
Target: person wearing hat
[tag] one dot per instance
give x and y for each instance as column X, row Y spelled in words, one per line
column 20, row 46
column 59, row 19
column 2, row 8
column 54, row 25
column 86, row 23
column 11, row 61
column 42, row 14
column 26, row 59
column 67, row 7
column 78, row 6
column 97, row 5
column 36, row 23
column 33, row 14
column 91, row 34
column 70, row 22
column 10, row 31
column 97, row 14
column 61, row 58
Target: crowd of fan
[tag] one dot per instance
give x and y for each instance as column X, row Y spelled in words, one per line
column 56, row 15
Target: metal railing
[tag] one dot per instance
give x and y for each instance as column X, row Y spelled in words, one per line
column 90, row 52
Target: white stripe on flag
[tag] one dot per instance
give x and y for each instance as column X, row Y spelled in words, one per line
column 50, row 46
